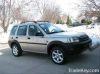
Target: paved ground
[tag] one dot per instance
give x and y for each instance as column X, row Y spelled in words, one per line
column 31, row 63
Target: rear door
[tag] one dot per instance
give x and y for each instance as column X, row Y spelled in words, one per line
column 21, row 36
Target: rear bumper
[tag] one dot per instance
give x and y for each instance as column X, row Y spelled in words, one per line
column 78, row 47
column 9, row 43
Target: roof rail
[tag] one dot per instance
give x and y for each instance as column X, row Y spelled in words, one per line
column 42, row 21
column 33, row 21
column 27, row 21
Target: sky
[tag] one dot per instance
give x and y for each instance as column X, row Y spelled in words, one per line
column 69, row 6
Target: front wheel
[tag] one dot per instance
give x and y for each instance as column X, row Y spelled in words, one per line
column 58, row 55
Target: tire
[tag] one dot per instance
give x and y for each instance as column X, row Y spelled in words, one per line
column 58, row 55
column 16, row 50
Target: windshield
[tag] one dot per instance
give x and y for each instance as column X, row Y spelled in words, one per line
column 50, row 28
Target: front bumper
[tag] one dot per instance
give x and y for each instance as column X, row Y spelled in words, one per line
column 78, row 47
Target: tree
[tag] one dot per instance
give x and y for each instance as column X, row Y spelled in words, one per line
column 17, row 15
column 59, row 22
column 90, row 8
column 24, row 10
column 5, row 14
column 9, row 12
column 49, row 11
column 69, row 22
column 83, row 21
column 86, row 22
column 64, row 16
column 92, row 5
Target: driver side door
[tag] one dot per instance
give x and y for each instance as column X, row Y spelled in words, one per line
column 35, row 40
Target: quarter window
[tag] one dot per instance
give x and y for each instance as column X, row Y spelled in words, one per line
column 22, row 30
column 13, row 31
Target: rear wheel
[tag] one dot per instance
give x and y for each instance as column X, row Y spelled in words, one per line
column 58, row 55
column 16, row 50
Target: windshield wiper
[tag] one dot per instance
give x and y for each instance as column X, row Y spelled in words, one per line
column 62, row 31
column 56, row 32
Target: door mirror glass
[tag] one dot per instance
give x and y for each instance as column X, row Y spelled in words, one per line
column 39, row 33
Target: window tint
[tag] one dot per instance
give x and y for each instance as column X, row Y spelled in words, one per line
column 50, row 28
column 13, row 31
column 32, row 30
column 22, row 30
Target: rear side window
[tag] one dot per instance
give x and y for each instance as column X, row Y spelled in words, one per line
column 22, row 30
column 13, row 31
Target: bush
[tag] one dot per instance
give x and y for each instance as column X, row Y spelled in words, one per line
column 69, row 21
column 59, row 22
column 86, row 22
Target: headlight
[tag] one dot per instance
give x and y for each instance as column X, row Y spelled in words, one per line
column 72, row 39
column 75, row 39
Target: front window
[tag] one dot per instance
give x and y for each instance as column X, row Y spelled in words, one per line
column 34, row 31
column 50, row 28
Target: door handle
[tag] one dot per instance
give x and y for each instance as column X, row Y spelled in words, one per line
column 11, row 37
column 28, row 38
column 16, row 37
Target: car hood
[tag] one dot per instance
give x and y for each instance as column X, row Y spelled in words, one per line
column 67, row 34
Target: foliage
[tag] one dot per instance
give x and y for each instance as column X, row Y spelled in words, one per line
column 8, row 13
column 69, row 21
column 90, row 8
column 86, row 22
column 59, row 22
column 25, row 10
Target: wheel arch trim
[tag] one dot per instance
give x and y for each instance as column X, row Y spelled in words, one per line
column 11, row 42
column 54, row 43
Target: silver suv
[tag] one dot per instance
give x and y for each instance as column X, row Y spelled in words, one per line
column 44, row 37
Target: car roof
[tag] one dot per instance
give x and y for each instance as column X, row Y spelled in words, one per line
column 31, row 22
column 34, row 21
column 23, row 23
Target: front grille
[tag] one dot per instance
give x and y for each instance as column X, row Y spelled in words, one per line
column 83, row 38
